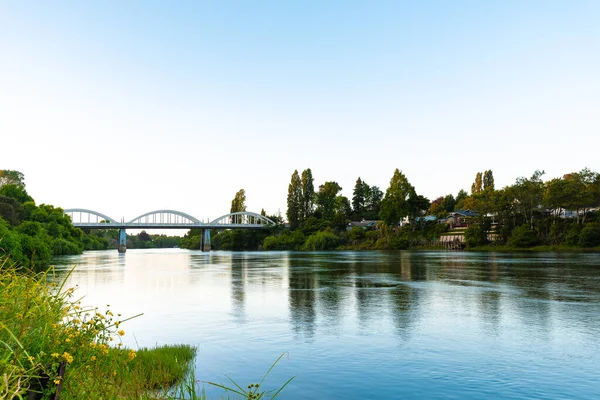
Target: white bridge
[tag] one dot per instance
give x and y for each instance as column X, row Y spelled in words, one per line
column 167, row 219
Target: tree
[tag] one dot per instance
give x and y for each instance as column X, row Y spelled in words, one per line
column 448, row 203
column 326, row 199
column 477, row 185
column 529, row 195
column 308, row 194
column 16, row 192
column 460, row 199
column 238, row 204
column 9, row 177
column 144, row 237
column 294, row 200
column 373, row 203
column 395, row 204
column 488, row 180
column 360, row 197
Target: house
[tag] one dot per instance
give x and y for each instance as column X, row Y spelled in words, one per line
column 460, row 218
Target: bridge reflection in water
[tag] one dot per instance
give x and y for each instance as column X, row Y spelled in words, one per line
column 167, row 219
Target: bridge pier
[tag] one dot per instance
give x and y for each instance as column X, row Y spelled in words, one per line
column 122, row 241
column 205, row 240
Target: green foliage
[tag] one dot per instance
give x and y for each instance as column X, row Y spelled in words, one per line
column 572, row 237
column 16, row 192
column 476, row 235
column 488, row 181
column 238, row 204
column 239, row 239
column 294, row 200
column 327, row 200
column 523, row 236
column 287, row 240
column 11, row 210
column 10, row 177
column 589, row 236
column 321, row 241
column 308, row 194
column 395, row 205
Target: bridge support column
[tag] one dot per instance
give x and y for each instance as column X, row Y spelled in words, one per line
column 122, row 241
column 206, row 240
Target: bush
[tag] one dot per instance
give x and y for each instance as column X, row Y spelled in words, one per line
column 523, row 236
column 286, row 241
column 321, row 241
column 476, row 235
column 589, row 236
column 572, row 237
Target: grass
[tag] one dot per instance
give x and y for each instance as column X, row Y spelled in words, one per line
column 50, row 344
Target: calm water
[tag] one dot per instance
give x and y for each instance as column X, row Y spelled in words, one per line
column 361, row 325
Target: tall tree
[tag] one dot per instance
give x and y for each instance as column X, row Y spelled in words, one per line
column 359, row 197
column 373, row 203
column 476, row 187
column 395, row 204
column 308, row 194
column 238, row 204
column 294, row 200
column 488, row 180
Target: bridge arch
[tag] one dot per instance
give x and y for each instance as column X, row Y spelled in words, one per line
column 165, row 216
column 243, row 218
column 71, row 211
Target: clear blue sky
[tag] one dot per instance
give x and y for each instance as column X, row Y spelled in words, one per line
column 126, row 107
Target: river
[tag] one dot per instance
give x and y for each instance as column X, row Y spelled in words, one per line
column 364, row 325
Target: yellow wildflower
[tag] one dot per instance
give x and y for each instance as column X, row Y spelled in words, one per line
column 121, row 332
column 68, row 358
column 93, row 358
column 131, row 354
column 57, row 381
column 67, row 340
column 55, row 355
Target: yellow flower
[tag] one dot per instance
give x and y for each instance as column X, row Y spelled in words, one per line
column 109, row 313
column 131, row 354
column 67, row 340
column 93, row 358
column 55, row 355
column 68, row 358
column 57, row 381
column 31, row 358
column 121, row 332
column 114, row 373
column 117, row 324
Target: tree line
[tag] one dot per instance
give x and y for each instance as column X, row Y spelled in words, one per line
column 530, row 212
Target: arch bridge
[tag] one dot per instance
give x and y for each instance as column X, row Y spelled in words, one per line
column 167, row 219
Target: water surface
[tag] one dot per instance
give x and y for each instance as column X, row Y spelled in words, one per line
column 398, row 325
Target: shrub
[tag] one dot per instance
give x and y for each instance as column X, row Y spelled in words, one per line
column 523, row 236
column 589, row 236
column 321, row 241
column 572, row 237
column 476, row 235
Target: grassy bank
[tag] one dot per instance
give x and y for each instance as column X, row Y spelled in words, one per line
column 51, row 344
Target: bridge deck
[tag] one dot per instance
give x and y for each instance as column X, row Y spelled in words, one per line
column 140, row 225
